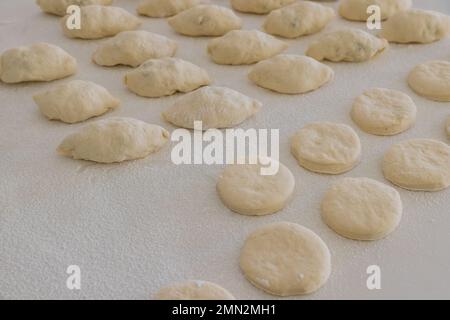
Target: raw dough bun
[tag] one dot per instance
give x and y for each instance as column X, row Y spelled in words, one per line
column 299, row 19
column 243, row 189
column 38, row 62
column 205, row 20
column 132, row 48
column 286, row 259
column 59, row 7
column 325, row 147
column 114, row 140
column 291, row 74
column 350, row 45
column 418, row 165
column 416, row 26
column 166, row 8
column 431, row 80
column 384, row 112
column 164, row 77
column 194, row 290
column 259, row 6
column 244, row 47
column 362, row 209
column 356, row 10
column 216, row 107
column 100, row 22
column 75, row 101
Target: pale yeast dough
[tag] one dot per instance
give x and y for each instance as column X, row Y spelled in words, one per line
column 384, row 112
column 166, row 8
column 59, row 7
column 38, row 62
column 285, row 259
column 216, row 107
column 114, row 140
column 259, row 6
column 362, row 208
column 299, row 19
column 100, row 22
column 416, row 26
column 418, row 165
column 205, row 20
column 243, row 189
column 350, row 45
column 75, row 101
column 132, row 48
column 356, row 10
column 164, row 77
column 325, row 147
column 194, row 290
column 291, row 74
column 431, row 80
column 239, row 47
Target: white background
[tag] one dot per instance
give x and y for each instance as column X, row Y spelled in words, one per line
column 137, row 226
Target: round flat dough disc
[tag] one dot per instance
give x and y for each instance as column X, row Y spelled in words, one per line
column 325, row 147
column 418, row 165
column 384, row 112
column 286, row 259
column 194, row 290
column 245, row 190
column 362, row 208
column 431, row 80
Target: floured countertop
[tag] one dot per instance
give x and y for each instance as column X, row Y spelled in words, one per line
column 137, row 226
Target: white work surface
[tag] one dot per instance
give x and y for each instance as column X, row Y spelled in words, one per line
column 137, row 226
